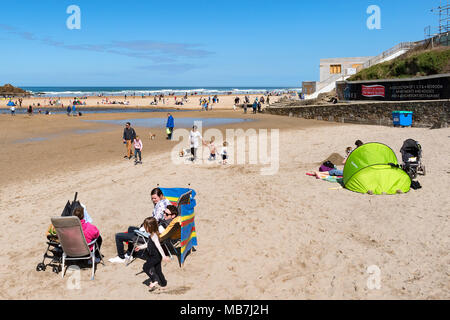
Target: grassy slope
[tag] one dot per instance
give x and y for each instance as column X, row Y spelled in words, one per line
column 423, row 63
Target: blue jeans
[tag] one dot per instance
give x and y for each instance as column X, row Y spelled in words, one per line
column 136, row 153
column 336, row 172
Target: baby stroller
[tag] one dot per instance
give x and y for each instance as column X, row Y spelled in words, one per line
column 412, row 158
column 54, row 250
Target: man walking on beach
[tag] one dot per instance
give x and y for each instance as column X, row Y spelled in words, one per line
column 194, row 139
column 128, row 137
column 170, row 125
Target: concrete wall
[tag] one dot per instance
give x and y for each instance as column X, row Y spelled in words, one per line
column 426, row 113
column 344, row 62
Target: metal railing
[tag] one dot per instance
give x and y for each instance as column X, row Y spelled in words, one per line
column 333, row 78
column 389, row 52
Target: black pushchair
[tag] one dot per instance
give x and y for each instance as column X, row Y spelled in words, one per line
column 54, row 251
column 412, row 158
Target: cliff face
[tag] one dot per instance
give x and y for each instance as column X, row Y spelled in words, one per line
column 8, row 89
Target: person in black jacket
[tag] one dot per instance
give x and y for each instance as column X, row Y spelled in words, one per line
column 128, row 137
column 154, row 255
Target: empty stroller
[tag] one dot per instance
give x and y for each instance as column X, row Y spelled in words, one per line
column 412, row 158
column 54, row 250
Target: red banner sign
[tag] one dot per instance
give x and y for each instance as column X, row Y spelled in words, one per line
column 373, row 91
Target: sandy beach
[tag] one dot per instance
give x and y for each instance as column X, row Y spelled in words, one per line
column 280, row 236
column 192, row 103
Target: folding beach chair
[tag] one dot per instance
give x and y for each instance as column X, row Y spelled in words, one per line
column 54, row 250
column 142, row 237
column 73, row 242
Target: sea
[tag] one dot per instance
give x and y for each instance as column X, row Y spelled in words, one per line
column 152, row 91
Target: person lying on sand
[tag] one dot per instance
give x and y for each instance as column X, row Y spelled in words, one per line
column 332, row 173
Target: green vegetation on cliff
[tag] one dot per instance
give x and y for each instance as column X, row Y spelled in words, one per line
column 409, row 65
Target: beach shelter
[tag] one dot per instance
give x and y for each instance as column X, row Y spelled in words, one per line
column 11, row 104
column 373, row 168
column 188, row 233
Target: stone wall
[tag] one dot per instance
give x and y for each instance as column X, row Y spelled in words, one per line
column 426, row 113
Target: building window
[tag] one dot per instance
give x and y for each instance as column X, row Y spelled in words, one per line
column 335, row 69
column 358, row 67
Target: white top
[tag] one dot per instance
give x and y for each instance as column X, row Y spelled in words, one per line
column 87, row 217
column 155, row 240
column 224, row 151
column 158, row 211
column 194, row 138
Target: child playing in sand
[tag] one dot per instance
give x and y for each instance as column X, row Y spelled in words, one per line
column 224, row 152
column 138, row 145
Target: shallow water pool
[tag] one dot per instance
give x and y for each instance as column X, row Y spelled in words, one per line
column 179, row 122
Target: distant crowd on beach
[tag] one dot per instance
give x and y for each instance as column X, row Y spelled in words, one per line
column 256, row 105
column 114, row 99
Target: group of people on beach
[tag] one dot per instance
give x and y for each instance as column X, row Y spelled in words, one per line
column 330, row 169
column 163, row 225
column 195, row 137
column 207, row 104
column 256, row 106
column 130, row 139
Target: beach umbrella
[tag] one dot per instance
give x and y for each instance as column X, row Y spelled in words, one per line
column 373, row 168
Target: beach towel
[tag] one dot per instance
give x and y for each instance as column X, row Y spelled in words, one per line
column 326, row 177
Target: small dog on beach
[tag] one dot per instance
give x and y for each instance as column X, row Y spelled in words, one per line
column 184, row 152
column 152, row 136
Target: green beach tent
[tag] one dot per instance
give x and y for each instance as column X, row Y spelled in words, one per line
column 373, row 168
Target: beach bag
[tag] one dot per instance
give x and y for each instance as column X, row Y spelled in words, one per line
column 326, row 166
column 415, row 185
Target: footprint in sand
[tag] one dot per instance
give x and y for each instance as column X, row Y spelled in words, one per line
column 174, row 291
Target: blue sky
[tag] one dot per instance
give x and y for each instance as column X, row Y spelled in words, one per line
column 195, row 43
